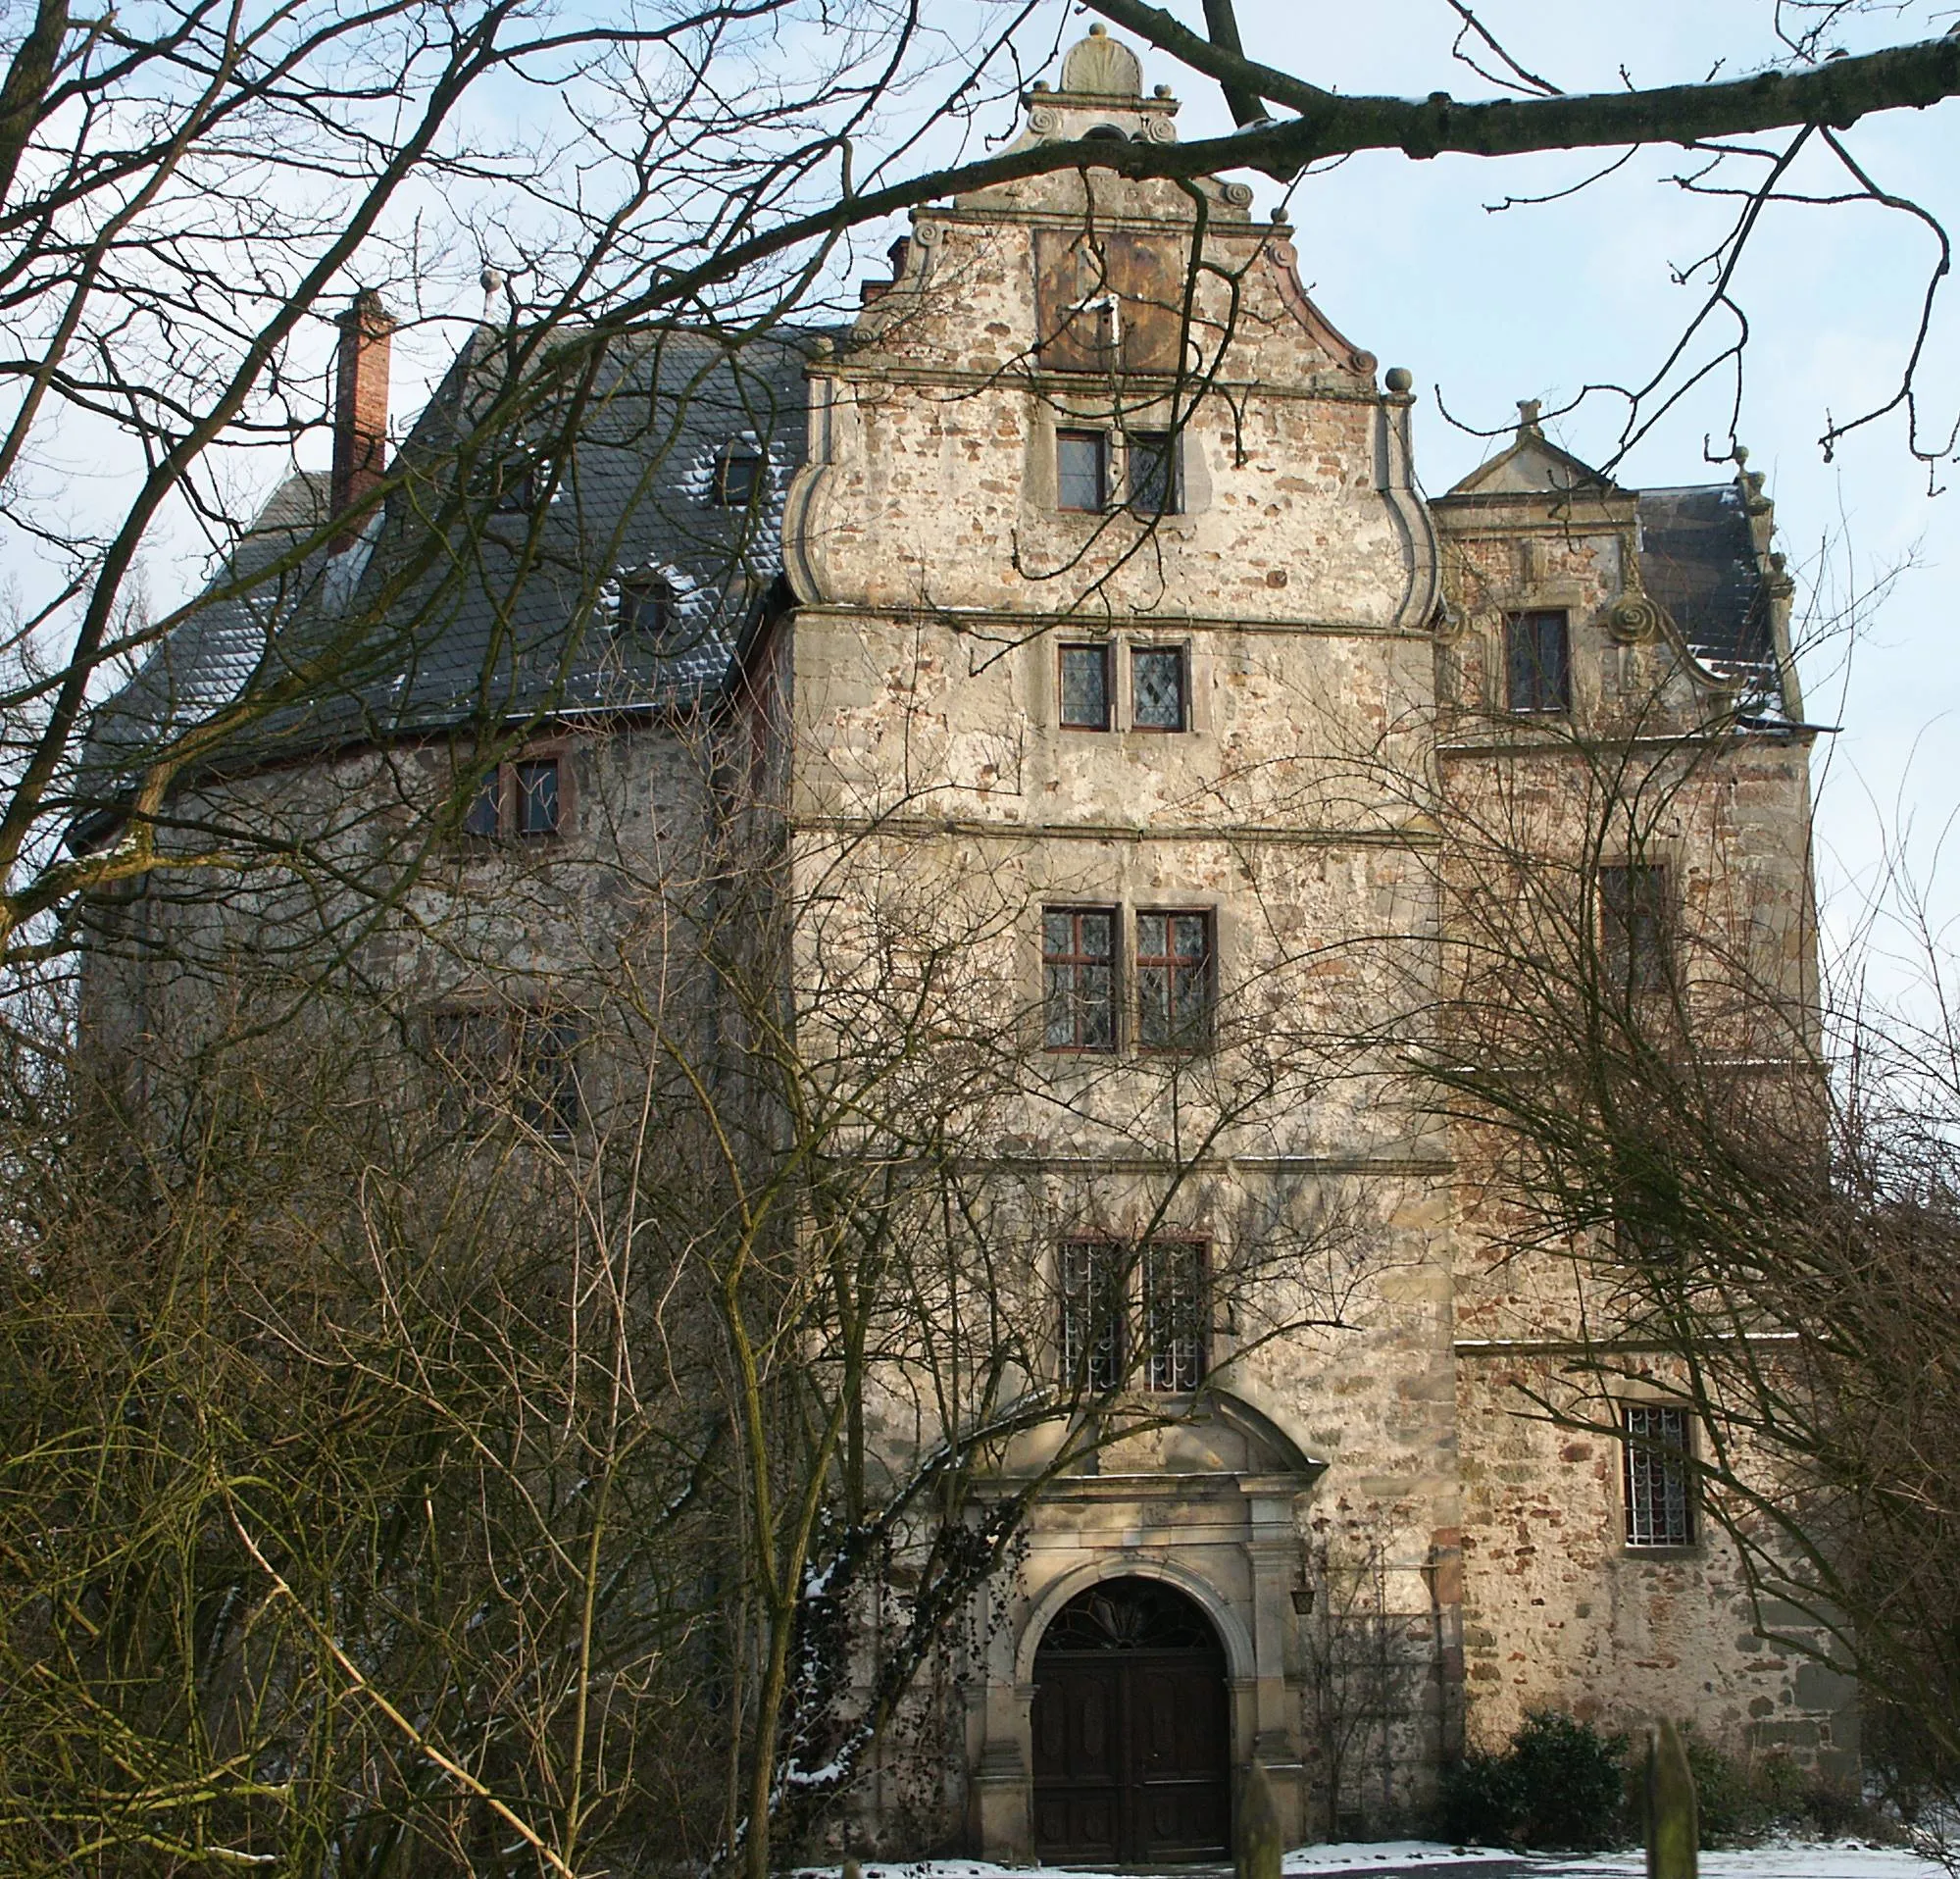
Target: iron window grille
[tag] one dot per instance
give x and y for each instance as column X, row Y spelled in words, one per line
column 1159, row 685
column 1538, row 661
column 1173, row 981
column 1082, row 470
column 1085, row 687
column 1093, row 1278
column 1176, row 1314
column 1078, row 977
column 1658, row 1476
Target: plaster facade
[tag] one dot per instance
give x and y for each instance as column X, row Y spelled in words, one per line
column 1345, row 647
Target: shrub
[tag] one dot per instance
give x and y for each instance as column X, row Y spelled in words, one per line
column 1834, row 1809
column 1479, row 1800
column 1558, row 1786
column 1742, row 1799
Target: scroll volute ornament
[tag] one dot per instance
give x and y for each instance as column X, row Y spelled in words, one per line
column 1635, row 617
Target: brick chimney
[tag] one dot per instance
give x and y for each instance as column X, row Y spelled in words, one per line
column 360, row 406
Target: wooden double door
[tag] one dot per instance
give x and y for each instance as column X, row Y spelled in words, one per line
column 1133, row 1744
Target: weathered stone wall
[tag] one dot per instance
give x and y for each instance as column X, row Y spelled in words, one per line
column 1347, row 784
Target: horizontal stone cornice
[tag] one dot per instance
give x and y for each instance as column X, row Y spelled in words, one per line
column 1133, row 388
column 1026, row 623
column 967, row 829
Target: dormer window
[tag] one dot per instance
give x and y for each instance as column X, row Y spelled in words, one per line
column 523, row 483
column 646, row 607
column 737, row 475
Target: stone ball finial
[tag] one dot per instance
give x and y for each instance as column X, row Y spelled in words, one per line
column 1399, row 378
column 1101, row 67
column 491, row 279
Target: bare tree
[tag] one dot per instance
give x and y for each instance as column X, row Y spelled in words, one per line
column 187, row 190
column 1747, row 1169
column 588, row 1429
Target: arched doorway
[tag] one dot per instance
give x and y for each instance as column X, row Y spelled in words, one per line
column 1133, row 1743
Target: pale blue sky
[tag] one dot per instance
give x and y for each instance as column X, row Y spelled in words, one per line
column 1537, row 302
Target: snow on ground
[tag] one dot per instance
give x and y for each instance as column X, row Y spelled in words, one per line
column 1417, row 1858
column 1790, row 1859
column 1372, row 1855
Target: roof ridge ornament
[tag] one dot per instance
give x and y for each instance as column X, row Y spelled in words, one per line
column 1101, row 67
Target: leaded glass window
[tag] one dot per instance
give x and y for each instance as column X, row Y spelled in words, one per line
column 1085, row 687
column 1633, row 937
column 1153, row 473
column 1157, row 687
column 1079, row 973
column 1081, row 469
column 1173, row 979
column 1537, row 664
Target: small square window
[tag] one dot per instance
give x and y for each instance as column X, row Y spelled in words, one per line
column 1537, row 663
column 1085, row 687
column 1081, row 469
column 1658, row 1476
column 536, row 790
column 494, row 1062
column 1093, row 1280
column 1634, row 938
column 1078, row 977
column 1176, row 1315
column 1153, row 473
column 1157, row 687
column 737, row 477
column 1173, row 981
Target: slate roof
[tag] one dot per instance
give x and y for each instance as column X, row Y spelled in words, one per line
column 469, row 600
column 1698, row 560
column 209, row 658
column 1697, row 546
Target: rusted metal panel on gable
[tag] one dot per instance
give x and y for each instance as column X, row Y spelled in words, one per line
column 1107, row 302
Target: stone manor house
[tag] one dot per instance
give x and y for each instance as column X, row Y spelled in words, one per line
column 1104, row 578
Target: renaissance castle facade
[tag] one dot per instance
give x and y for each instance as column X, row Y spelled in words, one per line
column 1081, row 599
